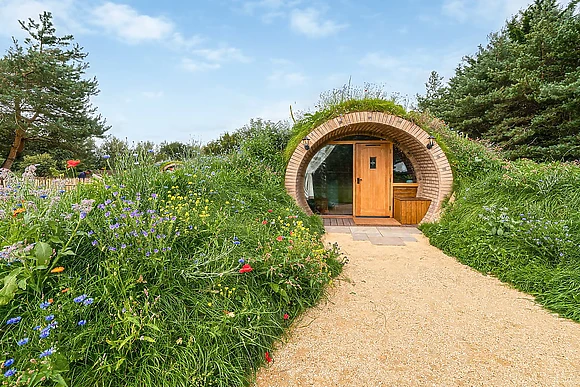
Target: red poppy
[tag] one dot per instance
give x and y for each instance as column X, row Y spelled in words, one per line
column 286, row 316
column 264, row 222
column 246, row 269
column 270, row 210
column 280, row 238
column 72, row 163
column 268, row 358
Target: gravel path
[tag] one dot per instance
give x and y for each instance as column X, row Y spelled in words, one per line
column 412, row 316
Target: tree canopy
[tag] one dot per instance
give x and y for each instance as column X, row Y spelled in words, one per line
column 44, row 95
column 522, row 90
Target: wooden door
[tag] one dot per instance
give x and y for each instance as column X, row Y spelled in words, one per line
column 372, row 179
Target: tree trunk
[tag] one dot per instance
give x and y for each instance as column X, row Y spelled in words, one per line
column 16, row 148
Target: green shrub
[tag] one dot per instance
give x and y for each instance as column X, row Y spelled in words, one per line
column 260, row 140
column 45, row 164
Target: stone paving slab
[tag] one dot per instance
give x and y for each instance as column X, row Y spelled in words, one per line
column 382, row 236
column 386, row 241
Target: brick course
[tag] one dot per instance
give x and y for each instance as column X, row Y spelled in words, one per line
column 431, row 166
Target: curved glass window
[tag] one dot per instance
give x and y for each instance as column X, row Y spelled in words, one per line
column 403, row 171
column 328, row 180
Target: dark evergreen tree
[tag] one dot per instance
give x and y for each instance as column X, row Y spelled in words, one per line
column 44, row 96
column 522, row 90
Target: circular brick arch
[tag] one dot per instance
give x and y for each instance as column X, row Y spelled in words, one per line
column 431, row 166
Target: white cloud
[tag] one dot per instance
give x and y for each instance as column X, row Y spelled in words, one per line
column 286, row 78
column 129, row 25
column 181, row 42
column 222, row 54
column 310, row 23
column 196, row 66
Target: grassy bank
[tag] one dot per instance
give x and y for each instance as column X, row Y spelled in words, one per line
column 183, row 278
column 519, row 220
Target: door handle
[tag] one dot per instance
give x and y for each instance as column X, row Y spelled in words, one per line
column 358, row 180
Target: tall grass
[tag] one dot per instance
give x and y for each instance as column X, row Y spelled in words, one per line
column 519, row 221
column 145, row 278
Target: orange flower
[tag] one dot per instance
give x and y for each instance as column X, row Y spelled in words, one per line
column 72, row 163
column 65, row 290
column 18, row 211
column 50, row 300
column 58, row 269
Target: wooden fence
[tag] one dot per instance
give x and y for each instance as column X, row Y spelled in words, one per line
column 51, row 183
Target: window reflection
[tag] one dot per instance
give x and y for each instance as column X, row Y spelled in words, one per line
column 403, row 171
column 328, row 181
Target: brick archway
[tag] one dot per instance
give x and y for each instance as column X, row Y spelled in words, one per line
column 432, row 168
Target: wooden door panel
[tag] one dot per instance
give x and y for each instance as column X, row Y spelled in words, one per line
column 372, row 179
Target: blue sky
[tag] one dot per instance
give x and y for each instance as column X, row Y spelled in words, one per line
column 191, row 70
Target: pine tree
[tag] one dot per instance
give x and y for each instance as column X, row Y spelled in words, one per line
column 44, row 96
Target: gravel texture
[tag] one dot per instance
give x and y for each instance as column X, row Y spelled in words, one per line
column 412, row 316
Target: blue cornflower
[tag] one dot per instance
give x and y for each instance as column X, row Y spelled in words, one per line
column 13, row 320
column 115, row 193
column 43, row 196
column 90, row 233
column 123, row 246
column 23, row 341
column 80, row 298
column 155, row 251
column 108, row 201
column 147, row 254
column 106, row 157
column 241, row 260
column 44, row 305
column 111, row 248
column 107, row 186
column 107, row 214
column 36, row 328
column 154, row 195
column 50, row 317
column 44, row 333
column 48, row 352
column 8, row 362
column 94, row 243
column 88, row 301
column 81, row 323
column 83, row 214
column 101, row 206
column 10, row 372
column 114, row 226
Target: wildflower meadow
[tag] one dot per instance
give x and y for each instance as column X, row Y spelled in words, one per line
column 152, row 278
